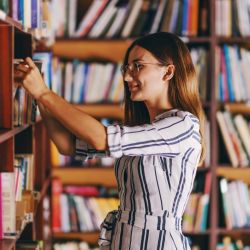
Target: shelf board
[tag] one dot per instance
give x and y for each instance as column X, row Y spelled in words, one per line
column 6, row 134
column 85, row 176
column 197, row 233
column 113, row 50
column 233, row 231
column 234, row 173
column 114, row 111
column 89, row 237
column 223, row 39
column 238, row 108
column 191, row 39
column 7, row 244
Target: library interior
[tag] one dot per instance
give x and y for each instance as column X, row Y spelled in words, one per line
column 49, row 200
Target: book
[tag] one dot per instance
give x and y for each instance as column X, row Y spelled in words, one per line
column 8, row 204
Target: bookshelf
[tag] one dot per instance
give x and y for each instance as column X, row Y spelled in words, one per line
column 114, row 49
column 30, row 138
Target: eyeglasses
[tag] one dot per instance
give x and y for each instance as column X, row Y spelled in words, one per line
column 135, row 67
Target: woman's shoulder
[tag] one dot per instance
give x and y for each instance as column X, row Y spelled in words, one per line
column 176, row 114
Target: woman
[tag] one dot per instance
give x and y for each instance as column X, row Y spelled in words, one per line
column 158, row 148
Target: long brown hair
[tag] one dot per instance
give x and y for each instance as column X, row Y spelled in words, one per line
column 183, row 92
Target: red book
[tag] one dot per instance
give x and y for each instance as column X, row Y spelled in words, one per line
column 56, row 211
column 85, row 191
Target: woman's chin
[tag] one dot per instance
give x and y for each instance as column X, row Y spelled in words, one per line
column 135, row 97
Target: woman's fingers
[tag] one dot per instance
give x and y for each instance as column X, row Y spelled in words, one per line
column 23, row 67
column 29, row 61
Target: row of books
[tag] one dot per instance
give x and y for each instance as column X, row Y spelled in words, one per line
column 229, row 244
column 82, row 82
column 17, row 198
column 232, row 17
column 93, row 82
column 233, row 77
column 117, row 18
column 195, row 218
column 77, row 213
column 73, row 245
column 236, row 214
column 24, row 107
column 34, row 15
column 24, row 174
column 235, row 132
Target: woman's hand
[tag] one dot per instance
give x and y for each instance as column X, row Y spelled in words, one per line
column 28, row 74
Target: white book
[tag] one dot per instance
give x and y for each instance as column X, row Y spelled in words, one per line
column 132, row 18
column 107, row 80
column 243, row 16
column 174, row 15
column 72, row 17
column 218, row 17
column 90, row 17
column 65, row 221
column 158, row 16
column 116, row 26
column 68, row 81
column 86, row 213
column 103, row 20
column 243, row 161
column 59, row 17
column 236, row 78
column 240, row 218
column 244, row 132
column 245, row 60
column 8, row 203
column 27, row 13
column 80, row 213
column 78, row 82
column 227, row 140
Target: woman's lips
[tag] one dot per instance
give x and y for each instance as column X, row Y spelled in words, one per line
column 133, row 88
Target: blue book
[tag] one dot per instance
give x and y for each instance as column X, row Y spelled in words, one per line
column 184, row 30
column 229, row 73
column 34, row 13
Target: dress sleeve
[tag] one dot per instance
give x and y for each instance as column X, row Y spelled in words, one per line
column 168, row 136
column 84, row 151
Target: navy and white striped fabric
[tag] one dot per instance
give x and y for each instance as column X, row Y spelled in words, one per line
column 155, row 169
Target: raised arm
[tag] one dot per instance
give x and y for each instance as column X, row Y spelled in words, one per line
column 62, row 137
column 75, row 121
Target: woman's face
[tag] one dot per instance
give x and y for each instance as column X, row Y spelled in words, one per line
column 145, row 77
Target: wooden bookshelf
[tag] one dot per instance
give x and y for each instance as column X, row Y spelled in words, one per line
column 26, row 139
column 85, row 176
column 90, row 237
column 238, row 108
column 234, row 173
column 114, row 49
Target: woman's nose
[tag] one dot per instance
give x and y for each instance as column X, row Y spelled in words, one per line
column 128, row 76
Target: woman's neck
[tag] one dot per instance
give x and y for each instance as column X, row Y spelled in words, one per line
column 154, row 111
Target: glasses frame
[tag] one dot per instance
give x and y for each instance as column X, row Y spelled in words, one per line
column 135, row 70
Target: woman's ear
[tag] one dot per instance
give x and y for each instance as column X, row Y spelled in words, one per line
column 169, row 72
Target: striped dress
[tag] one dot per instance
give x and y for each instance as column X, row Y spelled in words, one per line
column 155, row 169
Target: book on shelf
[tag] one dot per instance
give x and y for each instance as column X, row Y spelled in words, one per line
column 8, row 215
column 79, row 209
column 195, row 217
column 235, row 132
column 232, row 85
column 124, row 19
column 234, row 214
